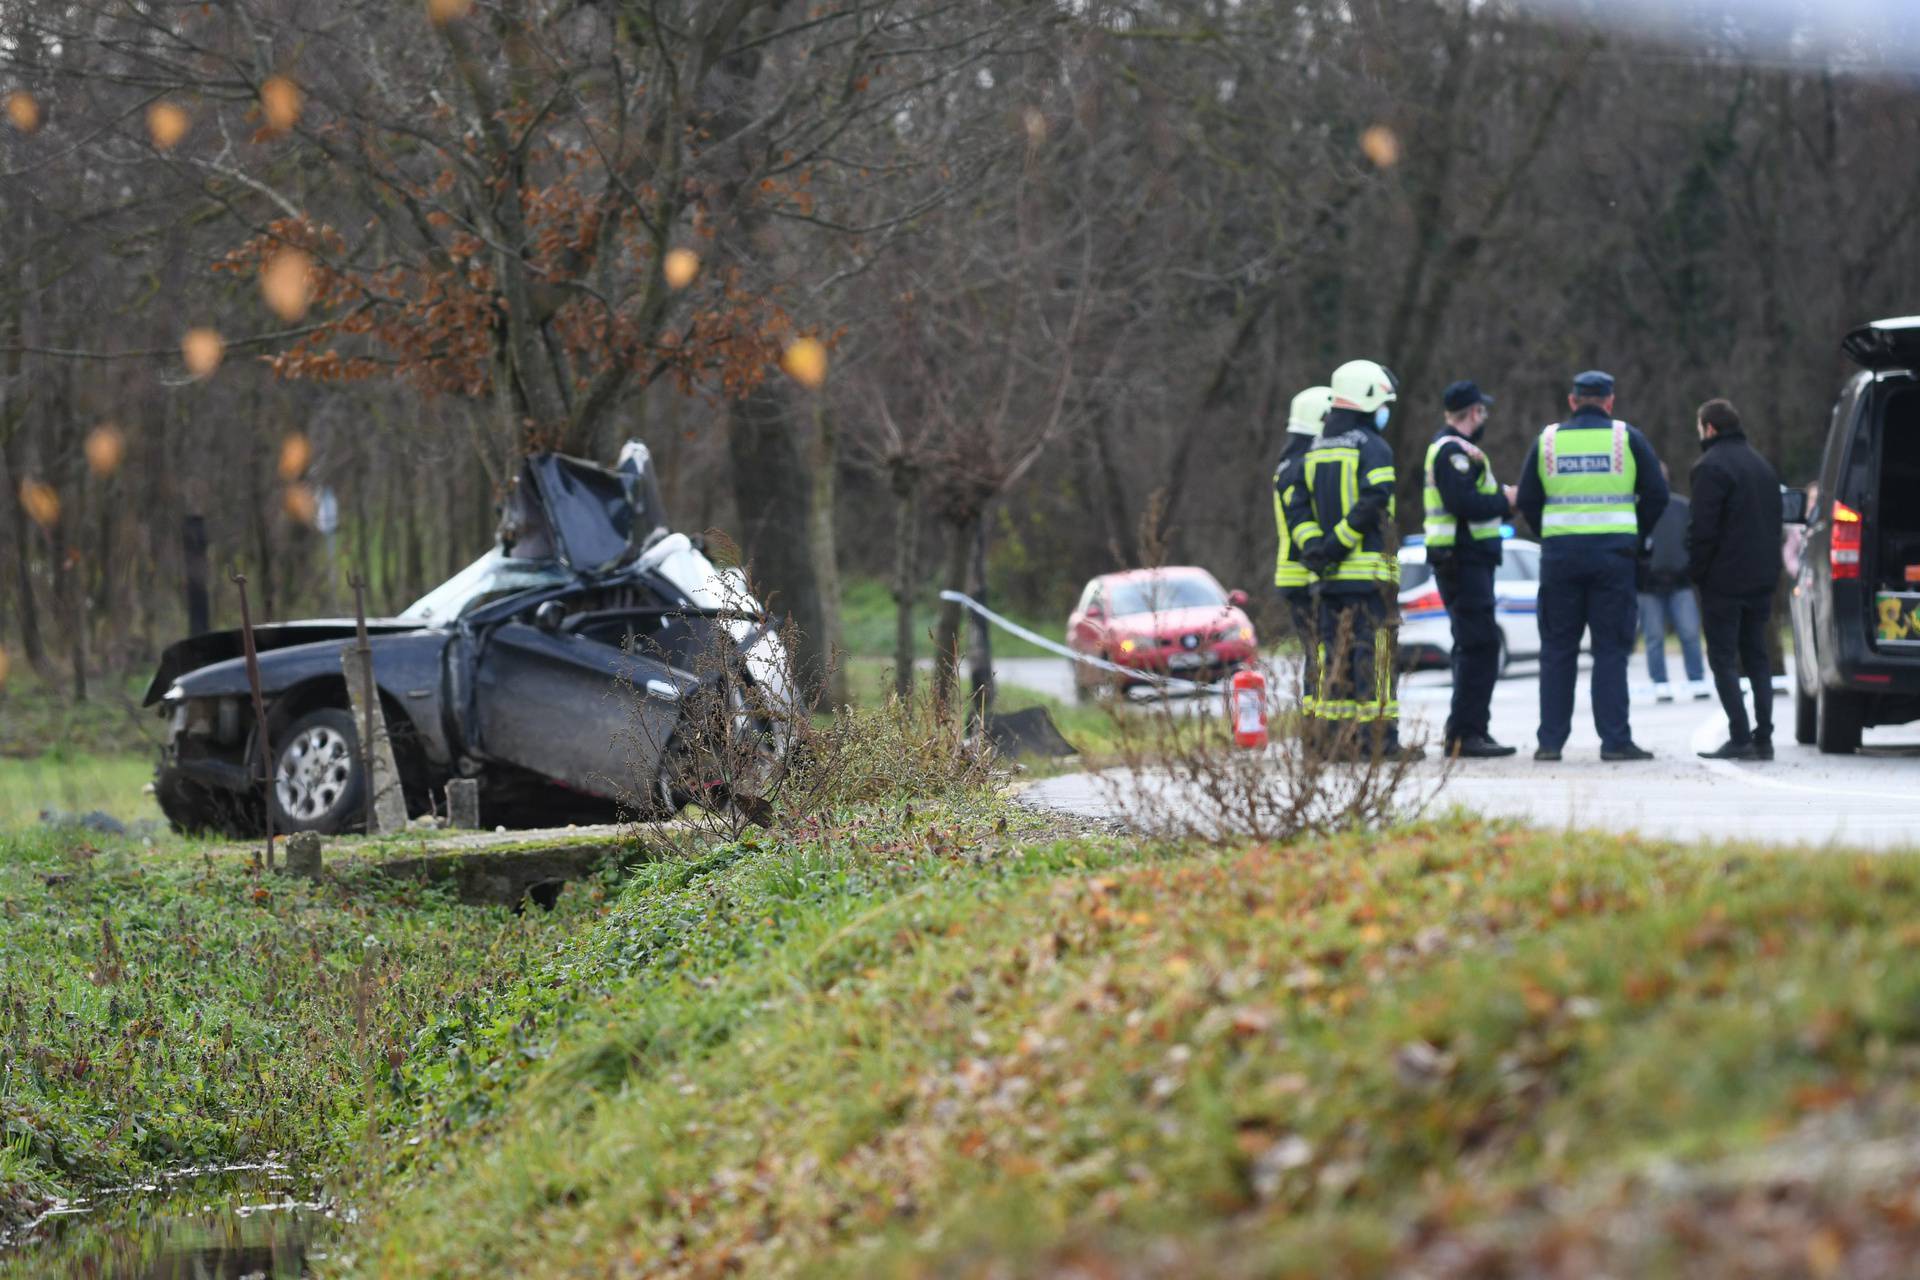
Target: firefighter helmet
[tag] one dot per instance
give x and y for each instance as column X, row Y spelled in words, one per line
column 1309, row 411
column 1364, row 385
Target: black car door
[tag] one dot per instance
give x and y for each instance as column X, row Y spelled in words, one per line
column 575, row 710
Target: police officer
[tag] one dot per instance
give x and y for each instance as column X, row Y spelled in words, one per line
column 1349, row 480
column 1592, row 488
column 1464, row 507
column 1291, row 509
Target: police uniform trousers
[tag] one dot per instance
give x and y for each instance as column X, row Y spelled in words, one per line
column 1466, row 589
column 1585, row 590
column 1303, row 618
column 1356, row 662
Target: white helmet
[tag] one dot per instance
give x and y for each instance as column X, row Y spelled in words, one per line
column 1364, row 385
column 1309, row 411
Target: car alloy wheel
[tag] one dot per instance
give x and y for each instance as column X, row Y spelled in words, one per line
column 314, row 774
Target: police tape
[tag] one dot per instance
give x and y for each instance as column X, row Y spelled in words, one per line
column 1167, row 684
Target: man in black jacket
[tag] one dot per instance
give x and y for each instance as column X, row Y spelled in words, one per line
column 1465, row 506
column 1733, row 557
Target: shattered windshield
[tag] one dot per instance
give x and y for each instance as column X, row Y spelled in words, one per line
column 490, row 577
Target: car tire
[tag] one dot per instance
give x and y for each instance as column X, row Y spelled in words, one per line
column 319, row 780
column 1838, row 719
column 1500, row 663
column 1806, row 713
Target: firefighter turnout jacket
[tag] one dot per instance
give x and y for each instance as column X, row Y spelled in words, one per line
column 1292, row 509
column 1462, row 502
column 1349, row 481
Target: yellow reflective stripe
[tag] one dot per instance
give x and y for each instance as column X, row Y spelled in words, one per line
column 1307, row 530
column 1380, row 475
column 1348, row 535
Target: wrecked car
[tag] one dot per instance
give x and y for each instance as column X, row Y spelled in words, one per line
column 583, row 668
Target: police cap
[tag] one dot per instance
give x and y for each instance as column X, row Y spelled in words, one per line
column 1593, row 383
column 1463, row 394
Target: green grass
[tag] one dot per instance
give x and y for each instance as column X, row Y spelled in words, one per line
column 867, row 622
column 943, row 1044
column 74, row 784
column 165, row 1008
column 37, row 717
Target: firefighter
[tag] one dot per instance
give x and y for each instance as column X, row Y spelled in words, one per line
column 1293, row 516
column 1592, row 489
column 1349, row 480
column 1464, row 507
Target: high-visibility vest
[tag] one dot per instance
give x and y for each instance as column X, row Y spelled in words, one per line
column 1442, row 526
column 1589, row 476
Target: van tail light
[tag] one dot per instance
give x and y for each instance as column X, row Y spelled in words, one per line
column 1843, row 554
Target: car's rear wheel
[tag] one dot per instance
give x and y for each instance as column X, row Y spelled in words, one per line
column 1838, row 717
column 1806, row 713
column 319, row 782
column 1500, row 663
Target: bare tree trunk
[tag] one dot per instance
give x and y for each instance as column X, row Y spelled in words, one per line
column 980, row 648
column 946, row 638
column 826, row 560
column 774, row 497
column 29, row 615
column 906, row 553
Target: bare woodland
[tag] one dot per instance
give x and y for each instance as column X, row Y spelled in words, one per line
column 1069, row 264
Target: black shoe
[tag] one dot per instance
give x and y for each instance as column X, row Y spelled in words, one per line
column 1398, row 754
column 1763, row 748
column 1548, row 754
column 1478, row 747
column 1731, row 750
column 1632, row 751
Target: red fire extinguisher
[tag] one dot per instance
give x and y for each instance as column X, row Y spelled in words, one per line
column 1247, row 708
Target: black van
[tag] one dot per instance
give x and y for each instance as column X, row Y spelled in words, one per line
column 1856, row 602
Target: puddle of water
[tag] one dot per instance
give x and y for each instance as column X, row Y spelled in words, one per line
column 229, row 1222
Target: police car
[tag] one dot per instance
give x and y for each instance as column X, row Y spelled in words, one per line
column 1426, row 635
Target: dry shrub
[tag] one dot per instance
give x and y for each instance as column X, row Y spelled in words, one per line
column 749, row 748
column 1180, row 775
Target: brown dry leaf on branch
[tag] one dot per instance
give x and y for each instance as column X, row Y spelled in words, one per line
column 280, row 102
column 40, row 502
column 805, row 361
column 23, row 111
column 166, row 125
column 106, row 448
column 201, row 351
column 680, row 267
column 295, row 453
column 286, row 282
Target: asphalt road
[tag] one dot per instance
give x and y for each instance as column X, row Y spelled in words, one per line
column 1867, row 800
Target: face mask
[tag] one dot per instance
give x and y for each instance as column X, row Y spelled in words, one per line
column 1380, row 417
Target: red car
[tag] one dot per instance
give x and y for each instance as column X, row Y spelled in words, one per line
column 1176, row 621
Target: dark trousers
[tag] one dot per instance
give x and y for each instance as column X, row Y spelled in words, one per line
column 1304, row 618
column 1736, row 631
column 1589, row 591
column 1467, row 591
column 1356, row 657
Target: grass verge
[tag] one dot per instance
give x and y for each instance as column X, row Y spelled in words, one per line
column 169, row 1008
column 937, row 1043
